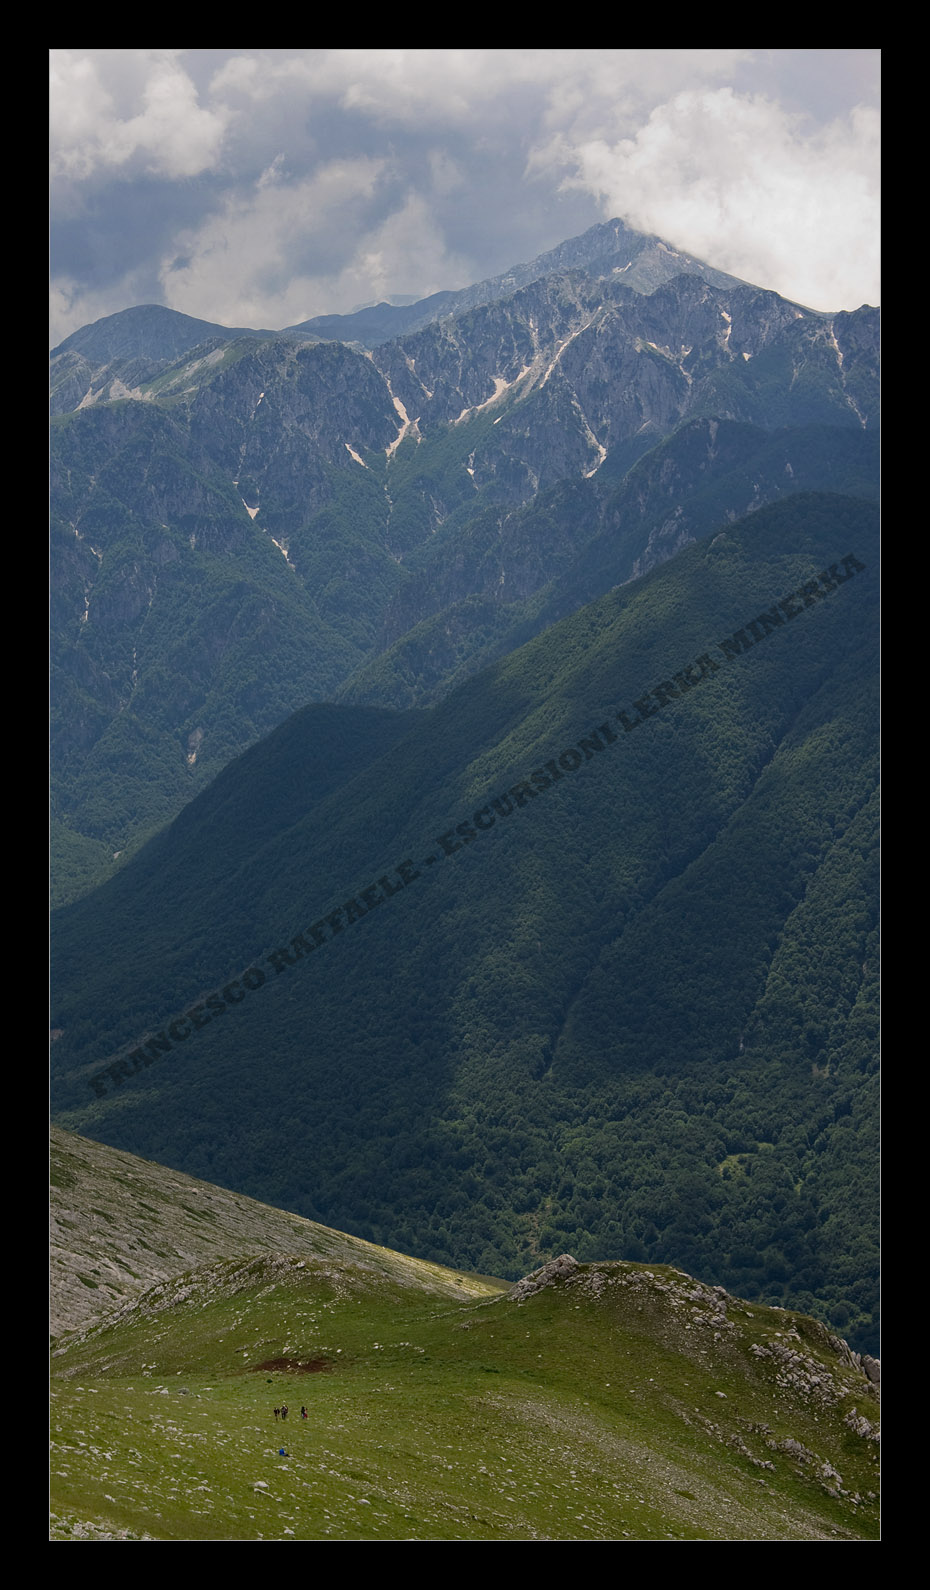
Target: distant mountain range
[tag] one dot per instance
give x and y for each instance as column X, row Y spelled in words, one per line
column 245, row 521
column 152, row 332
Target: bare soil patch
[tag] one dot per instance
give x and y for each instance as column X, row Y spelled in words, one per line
column 296, row 1366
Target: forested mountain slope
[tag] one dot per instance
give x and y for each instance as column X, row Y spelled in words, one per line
column 582, row 958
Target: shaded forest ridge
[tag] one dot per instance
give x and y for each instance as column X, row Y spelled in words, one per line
column 468, row 831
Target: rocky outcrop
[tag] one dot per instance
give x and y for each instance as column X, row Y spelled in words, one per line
column 555, row 1270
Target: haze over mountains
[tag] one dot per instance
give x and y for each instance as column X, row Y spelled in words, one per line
column 319, row 603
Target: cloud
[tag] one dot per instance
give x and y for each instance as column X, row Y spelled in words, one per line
column 259, row 263
column 168, row 131
column 410, row 247
column 264, row 186
column 743, row 183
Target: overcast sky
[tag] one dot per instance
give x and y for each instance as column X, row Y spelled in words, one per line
column 260, row 187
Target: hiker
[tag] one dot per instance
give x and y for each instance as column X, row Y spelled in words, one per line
column 277, row 1413
column 303, row 1413
column 284, row 1410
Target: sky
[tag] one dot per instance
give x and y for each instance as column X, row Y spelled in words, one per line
column 262, row 187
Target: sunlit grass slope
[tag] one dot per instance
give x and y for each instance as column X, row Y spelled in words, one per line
column 597, row 1401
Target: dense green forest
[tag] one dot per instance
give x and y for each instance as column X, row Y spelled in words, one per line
column 629, row 1013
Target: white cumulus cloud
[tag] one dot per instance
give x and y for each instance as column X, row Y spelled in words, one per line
column 265, row 186
column 136, row 108
column 244, row 266
column 747, row 185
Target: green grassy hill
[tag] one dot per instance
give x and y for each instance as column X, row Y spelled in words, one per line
column 594, row 1401
column 120, row 1224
